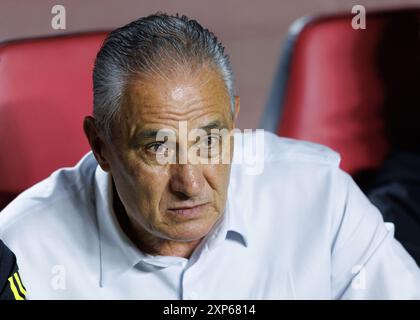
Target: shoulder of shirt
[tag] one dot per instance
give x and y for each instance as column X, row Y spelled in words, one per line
column 64, row 187
column 281, row 149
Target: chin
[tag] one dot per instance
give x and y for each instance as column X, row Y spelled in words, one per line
column 186, row 232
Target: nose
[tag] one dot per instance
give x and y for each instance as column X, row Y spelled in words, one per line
column 187, row 180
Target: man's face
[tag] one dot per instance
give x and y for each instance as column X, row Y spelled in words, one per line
column 157, row 196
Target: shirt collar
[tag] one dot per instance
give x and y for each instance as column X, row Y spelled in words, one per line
column 117, row 252
column 233, row 224
column 238, row 214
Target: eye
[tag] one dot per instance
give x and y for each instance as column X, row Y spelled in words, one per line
column 157, row 148
column 211, row 141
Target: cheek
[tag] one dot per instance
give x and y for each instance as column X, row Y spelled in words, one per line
column 151, row 186
column 217, row 176
column 142, row 185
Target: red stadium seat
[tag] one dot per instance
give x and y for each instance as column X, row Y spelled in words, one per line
column 45, row 92
column 356, row 91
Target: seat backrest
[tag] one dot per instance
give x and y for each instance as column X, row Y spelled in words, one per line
column 341, row 87
column 45, row 92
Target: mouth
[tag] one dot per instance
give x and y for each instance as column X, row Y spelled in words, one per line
column 188, row 211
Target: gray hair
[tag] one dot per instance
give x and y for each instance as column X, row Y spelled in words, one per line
column 154, row 45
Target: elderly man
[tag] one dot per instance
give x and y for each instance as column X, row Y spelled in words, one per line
column 144, row 217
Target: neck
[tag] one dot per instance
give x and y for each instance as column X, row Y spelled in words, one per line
column 148, row 243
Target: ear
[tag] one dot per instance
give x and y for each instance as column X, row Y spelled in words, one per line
column 237, row 108
column 97, row 143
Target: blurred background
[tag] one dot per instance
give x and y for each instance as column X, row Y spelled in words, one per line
column 252, row 31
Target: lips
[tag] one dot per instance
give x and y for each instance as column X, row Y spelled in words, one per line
column 188, row 210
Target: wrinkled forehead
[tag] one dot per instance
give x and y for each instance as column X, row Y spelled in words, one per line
column 158, row 102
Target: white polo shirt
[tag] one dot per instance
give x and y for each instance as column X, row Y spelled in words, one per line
column 300, row 229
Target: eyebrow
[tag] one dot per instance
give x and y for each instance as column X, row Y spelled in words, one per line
column 144, row 135
column 147, row 134
column 213, row 125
